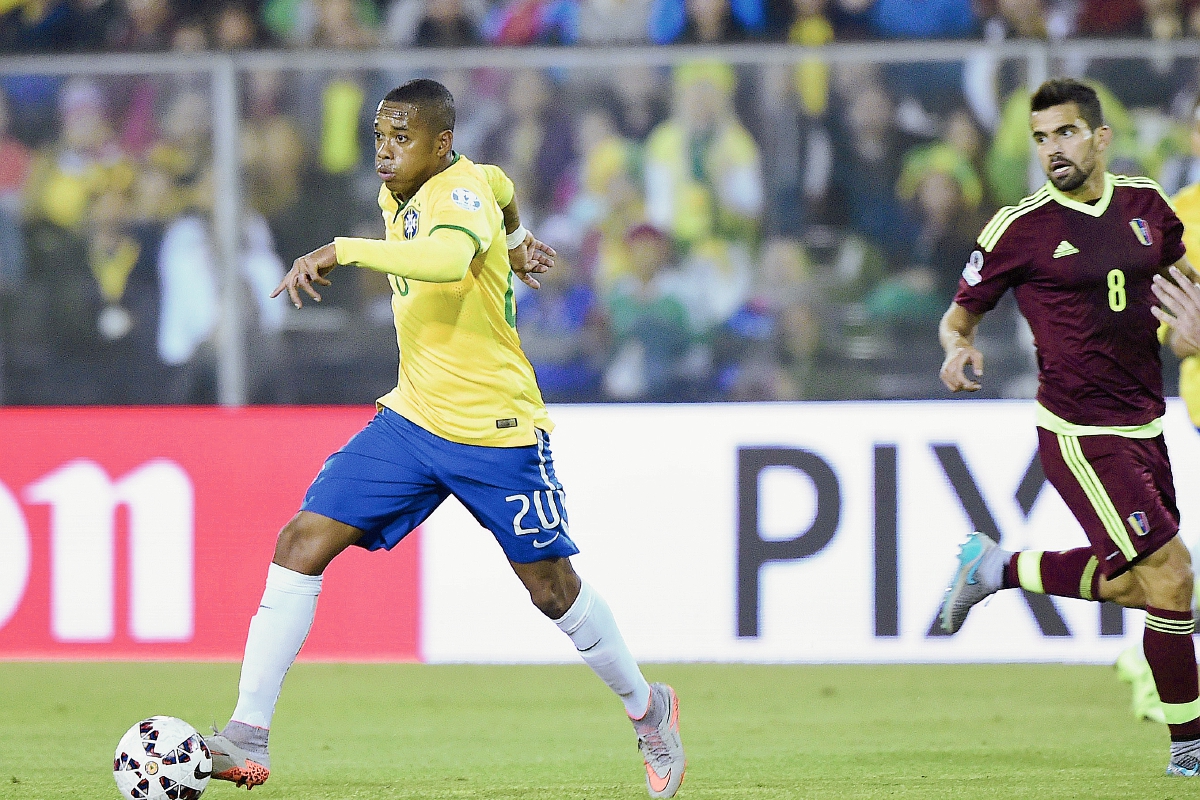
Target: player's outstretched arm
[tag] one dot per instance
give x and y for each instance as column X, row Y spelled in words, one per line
column 957, row 335
column 1180, row 310
column 306, row 271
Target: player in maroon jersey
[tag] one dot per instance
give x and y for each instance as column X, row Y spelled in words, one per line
column 1080, row 255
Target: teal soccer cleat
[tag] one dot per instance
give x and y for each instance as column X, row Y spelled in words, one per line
column 969, row 585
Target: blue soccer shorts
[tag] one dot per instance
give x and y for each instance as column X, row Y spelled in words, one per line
column 393, row 473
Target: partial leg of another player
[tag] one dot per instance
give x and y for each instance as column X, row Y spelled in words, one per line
column 304, row 549
column 1161, row 583
column 1165, row 577
column 583, row 615
column 984, row 568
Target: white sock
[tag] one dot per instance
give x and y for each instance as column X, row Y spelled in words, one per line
column 590, row 624
column 277, row 632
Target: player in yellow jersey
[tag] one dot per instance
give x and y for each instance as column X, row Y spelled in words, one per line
column 465, row 419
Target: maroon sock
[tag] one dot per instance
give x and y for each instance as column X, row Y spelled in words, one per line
column 1167, row 642
column 1063, row 573
column 1011, row 581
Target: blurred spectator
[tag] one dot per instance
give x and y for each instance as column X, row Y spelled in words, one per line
column 525, row 22
column 932, row 84
column 16, row 160
column 446, row 23
column 563, row 328
column 341, row 107
column 914, row 19
column 191, row 35
column 55, row 26
column 610, row 200
column 705, row 21
column 965, row 137
column 703, row 174
column 85, row 163
column 799, row 148
column 235, row 27
column 1024, row 19
column 1184, row 170
column 643, row 95
column 184, row 152
column 82, row 323
column 1114, row 18
column 811, row 27
column 143, row 26
column 869, row 148
column 588, row 22
column 322, row 23
column 945, row 192
column 403, row 18
column 612, row 22
column 477, row 122
column 650, row 327
column 339, row 26
column 766, row 351
column 272, row 148
column 535, row 144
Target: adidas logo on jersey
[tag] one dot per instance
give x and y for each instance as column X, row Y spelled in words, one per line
column 1065, row 248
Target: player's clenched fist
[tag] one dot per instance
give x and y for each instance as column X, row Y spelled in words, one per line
column 954, row 369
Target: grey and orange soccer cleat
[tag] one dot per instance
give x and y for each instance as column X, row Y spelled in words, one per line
column 659, row 742
column 970, row 585
column 239, row 754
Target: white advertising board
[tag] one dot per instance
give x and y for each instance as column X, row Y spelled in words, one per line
column 847, row 516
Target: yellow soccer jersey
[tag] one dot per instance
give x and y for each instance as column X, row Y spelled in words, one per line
column 463, row 375
column 1187, row 207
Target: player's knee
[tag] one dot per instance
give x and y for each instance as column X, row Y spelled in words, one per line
column 552, row 598
column 1170, row 584
column 305, row 546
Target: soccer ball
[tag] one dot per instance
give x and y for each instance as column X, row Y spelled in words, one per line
column 162, row 757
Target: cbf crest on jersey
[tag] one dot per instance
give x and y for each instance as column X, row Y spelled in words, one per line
column 412, row 219
column 1141, row 230
column 466, row 199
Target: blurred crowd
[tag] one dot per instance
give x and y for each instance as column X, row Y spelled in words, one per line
column 760, row 232
column 157, row 25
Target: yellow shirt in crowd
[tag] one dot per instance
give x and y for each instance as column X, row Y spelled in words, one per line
column 463, row 375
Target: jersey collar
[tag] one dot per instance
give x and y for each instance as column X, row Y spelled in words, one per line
column 1092, row 210
column 402, row 204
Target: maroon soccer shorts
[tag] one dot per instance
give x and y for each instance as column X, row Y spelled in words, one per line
column 1120, row 490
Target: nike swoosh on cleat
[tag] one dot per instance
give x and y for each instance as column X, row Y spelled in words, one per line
column 656, row 783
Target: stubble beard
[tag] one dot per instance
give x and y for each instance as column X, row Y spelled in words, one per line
column 1072, row 180
column 1077, row 177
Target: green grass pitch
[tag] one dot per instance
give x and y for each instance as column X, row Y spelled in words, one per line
column 533, row 732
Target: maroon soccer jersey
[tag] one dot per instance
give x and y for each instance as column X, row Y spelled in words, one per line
column 1081, row 274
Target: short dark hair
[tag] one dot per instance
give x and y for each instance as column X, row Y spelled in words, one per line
column 1057, row 91
column 431, row 98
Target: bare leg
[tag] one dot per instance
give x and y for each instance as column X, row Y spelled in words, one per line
column 310, row 541
column 582, row 615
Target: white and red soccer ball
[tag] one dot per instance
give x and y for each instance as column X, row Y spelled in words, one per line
column 162, row 758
